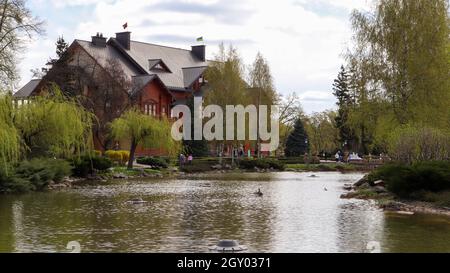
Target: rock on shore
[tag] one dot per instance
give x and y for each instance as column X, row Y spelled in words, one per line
column 388, row 202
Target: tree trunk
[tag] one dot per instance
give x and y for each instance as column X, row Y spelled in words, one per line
column 132, row 152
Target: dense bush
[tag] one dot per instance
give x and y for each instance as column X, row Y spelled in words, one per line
column 87, row 165
column 250, row 164
column 41, row 171
column 12, row 184
column 153, row 161
column 34, row 175
column 407, row 180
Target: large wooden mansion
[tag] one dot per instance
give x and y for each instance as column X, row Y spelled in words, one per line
column 152, row 77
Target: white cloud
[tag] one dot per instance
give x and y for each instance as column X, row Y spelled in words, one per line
column 302, row 46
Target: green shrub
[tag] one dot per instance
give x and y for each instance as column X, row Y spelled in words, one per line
column 10, row 184
column 87, row 165
column 153, row 161
column 407, row 180
column 41, row 171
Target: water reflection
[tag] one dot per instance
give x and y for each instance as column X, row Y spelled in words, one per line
column 296, row 214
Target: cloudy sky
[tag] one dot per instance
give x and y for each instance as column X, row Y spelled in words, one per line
column 303, row 40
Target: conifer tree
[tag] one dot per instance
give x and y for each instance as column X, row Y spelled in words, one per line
column 297, row 143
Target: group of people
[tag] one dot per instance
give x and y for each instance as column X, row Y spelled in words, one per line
column 183, row 159
column 351, row 157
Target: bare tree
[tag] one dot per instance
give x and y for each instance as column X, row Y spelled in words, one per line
column 17, row 26
column 290, row 109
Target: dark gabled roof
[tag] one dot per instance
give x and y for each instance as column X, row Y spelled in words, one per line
column 103, row 54
column 175, row 59
column 181, row 68
column 27, row 90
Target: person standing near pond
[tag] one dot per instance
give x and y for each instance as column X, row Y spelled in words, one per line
column 182, row 160
column 190, row 159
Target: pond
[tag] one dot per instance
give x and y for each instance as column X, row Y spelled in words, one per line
column 298, row 213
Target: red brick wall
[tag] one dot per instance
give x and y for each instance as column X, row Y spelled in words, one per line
column 155, row 93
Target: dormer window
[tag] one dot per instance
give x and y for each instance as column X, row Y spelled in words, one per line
column 158, row 66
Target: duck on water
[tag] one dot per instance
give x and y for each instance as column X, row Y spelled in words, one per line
column 259, row 193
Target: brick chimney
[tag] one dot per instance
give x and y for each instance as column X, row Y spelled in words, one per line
column 199, row 51
column 124, row 39
column 99, row 40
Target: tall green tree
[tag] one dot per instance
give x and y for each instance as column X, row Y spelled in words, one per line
column 262, row 90
column 61, row 49
column 345, row 102
column 297, row 143
column 402, row 47
column 323, row 133
column 400, row 64
column 226, row 85
column 17, row 26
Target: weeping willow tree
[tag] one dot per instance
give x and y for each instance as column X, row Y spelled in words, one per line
column 54, row 126
column 9, row 136
column 141, row 129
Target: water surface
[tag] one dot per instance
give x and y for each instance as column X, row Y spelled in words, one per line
column 297, row 213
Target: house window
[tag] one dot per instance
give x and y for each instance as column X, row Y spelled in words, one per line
column 150, row 109
column 163, row 111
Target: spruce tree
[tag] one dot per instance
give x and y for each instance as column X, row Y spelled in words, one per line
column 341, row 89
column 297, row 143
column 61, row 47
